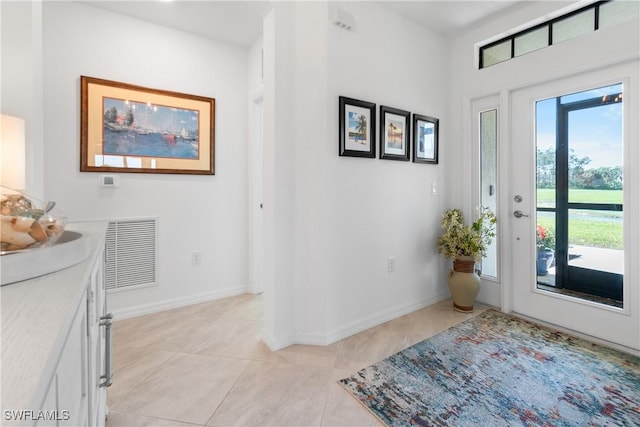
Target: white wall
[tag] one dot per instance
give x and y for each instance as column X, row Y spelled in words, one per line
column 21, row 84
column 380, row 208
column 344, row 216
column 196, row 213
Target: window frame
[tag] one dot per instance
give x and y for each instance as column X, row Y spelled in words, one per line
column 549, row 24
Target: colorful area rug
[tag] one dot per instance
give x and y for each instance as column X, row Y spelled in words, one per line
column 498, row 370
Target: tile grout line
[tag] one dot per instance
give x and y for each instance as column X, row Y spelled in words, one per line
column 228, row 391
column 153, row 371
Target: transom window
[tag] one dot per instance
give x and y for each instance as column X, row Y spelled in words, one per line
column 600, row 14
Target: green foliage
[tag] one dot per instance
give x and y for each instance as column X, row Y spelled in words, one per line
column 602, row 178
column 459, row 239
column 362, row 126
column 545, row 237
column 546, row 196
column 588, row 232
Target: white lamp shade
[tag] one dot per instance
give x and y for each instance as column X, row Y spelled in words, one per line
column 12, row 152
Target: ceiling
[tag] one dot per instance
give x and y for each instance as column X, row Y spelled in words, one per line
column 240, row 22
column 452, row 17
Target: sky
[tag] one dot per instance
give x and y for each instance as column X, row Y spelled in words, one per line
column 156, row 117
column 595, row 132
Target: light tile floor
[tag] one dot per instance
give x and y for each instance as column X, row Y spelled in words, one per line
column 206, row 365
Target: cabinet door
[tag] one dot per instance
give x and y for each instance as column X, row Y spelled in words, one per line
column 50, row 404
column 96, row 303
column 71, row 374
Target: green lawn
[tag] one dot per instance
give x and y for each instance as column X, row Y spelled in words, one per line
column 583, row 230
column 547, row 196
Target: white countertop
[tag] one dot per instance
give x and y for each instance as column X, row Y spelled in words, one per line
column 36, row 317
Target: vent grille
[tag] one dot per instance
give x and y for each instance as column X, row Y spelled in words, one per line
column 131, row 253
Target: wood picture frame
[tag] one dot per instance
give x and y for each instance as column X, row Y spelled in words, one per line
column 128, row 128
column 394, row 134
column 425, row 139
column 357, row 127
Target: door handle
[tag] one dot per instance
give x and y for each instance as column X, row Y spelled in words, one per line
column 519, row 214
column 106, row 379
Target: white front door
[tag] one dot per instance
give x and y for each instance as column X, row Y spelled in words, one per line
column 619, row 325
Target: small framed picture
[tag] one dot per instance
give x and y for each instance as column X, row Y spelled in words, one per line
column 425, row 139
column 357, row 128
column 394, row 134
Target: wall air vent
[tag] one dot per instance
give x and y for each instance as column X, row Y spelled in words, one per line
column 131, row 253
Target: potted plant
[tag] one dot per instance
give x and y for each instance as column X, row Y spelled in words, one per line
column 465, row 245
column 545, row 243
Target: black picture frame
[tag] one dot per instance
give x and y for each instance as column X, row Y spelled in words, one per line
column 395, row 129
column 425, row 139
column 357, row 127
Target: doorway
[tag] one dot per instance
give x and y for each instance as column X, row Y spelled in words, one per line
column 557, row 205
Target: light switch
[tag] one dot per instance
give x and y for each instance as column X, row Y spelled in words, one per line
column 434, row 188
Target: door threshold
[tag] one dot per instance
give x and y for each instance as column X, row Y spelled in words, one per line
column 582, row 295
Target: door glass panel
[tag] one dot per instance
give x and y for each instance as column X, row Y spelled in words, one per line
column 545, row 191
column 580, row 195
column 488, row 180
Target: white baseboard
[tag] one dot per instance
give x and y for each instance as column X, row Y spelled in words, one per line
column 282, row 342
column 379, row 318
column 155, row 307
column 350, row 329
column 278, row 344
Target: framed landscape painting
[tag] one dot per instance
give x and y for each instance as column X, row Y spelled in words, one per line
column 394, row 134
column 357, row 124
column 127, row 128
column 425, row 135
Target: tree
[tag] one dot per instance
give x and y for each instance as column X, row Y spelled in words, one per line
column 546, row 168
column 128, row 120
column 602, row 178
column 111, row 115
column 362, row 126
column 576, row 169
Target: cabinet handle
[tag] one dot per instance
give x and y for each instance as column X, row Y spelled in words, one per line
column 106, row 321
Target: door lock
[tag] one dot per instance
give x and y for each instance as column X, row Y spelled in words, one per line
column 519, row 214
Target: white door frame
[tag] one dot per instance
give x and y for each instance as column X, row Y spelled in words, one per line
column 256, row 227
column 491, row 287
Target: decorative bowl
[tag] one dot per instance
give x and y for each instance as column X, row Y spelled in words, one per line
column 26, row 222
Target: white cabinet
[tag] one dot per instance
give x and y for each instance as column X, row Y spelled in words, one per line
column 56, row 344
column 68, row 384
column 77, row 393
column 99, row 335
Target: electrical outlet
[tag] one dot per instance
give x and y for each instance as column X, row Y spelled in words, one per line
column 196, row 257
column 391, row 264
